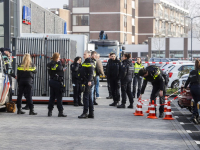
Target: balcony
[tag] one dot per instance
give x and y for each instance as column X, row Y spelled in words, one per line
column 177, row 19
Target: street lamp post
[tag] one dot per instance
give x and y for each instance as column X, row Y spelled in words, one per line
column 191, row 18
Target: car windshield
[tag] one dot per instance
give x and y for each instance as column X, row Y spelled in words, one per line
column 104, row 51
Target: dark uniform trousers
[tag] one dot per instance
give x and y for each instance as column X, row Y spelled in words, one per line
column 137, row 80
column 115, row 86
column 87, row 99
column 126, row 89
column 195, row 91
column 10, row 89
column 25, row 86
column 55, row 93
column 109, row 89
column 77, row 92
column 155, row 93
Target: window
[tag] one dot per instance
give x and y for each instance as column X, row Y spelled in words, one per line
column 186, row 67
column 133, row 39
column 133, row 4
column 1, row 31
column 125, row 4
column 1, row 13
column 80, row 3
column 1, row 41
column 125, row 37
column 133, row 22
column 81, row 20
column 125, row 21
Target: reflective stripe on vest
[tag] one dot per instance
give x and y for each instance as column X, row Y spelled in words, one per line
column 30, row 68
column 137, row 67
column 54, row 68
column 156, row 74
column 87, row 65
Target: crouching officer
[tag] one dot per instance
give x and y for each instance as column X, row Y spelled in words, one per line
column 194, row 81
column 154, row 75
column 25, row 73
column 56, row 72
column 87, row 78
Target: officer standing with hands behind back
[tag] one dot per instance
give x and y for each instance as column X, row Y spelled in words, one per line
column 86, row 74
column 56, row 73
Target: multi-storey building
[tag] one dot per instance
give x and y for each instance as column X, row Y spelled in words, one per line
column 160, row 18
column 128, row 21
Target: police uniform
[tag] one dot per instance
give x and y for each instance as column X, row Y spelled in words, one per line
column 158, row 80
column 55, row 70
column 114, row 77
column 194, row 81
column 76, row 81
column 137, row 79
column 86, row 73
column 25, row 82
column 126, row 80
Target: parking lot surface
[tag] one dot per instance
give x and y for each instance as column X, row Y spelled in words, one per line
column 112, row 129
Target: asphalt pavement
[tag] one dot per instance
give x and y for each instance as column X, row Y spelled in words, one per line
column 111, row 129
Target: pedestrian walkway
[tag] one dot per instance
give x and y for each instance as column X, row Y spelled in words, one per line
column 112, row 129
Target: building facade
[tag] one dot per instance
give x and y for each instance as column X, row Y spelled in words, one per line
column 128, row 21
column 25, row 16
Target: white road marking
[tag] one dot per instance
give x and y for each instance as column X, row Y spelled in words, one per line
column 188, row 131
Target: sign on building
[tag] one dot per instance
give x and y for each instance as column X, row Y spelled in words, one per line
column 26, row 15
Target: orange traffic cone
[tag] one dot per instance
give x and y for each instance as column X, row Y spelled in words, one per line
column 152, row 113
column 149, row 107
column 168, row 114
column 165, row 108
column 138, row 111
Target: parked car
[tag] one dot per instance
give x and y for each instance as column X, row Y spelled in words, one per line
column 174, row 59
column 182, row 80
column 4, row 88
column 158, row 61
column 174, row 71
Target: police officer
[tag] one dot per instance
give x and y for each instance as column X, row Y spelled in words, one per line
column 113, row 74
column 159, row 81
column 126, row 80
column 25, row 73
column 194, row 81
column 6, row 56
column 56, row 72
column 137, row 79
column 108, row 80
column 93, row 57
column 86, row 73
column 76, row 81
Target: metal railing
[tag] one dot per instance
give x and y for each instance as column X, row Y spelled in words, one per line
column 41, row 50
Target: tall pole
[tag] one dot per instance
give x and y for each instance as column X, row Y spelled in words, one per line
column 191, row 38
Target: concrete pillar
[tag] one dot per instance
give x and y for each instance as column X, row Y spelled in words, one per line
column 185, row 52
column 167, row 41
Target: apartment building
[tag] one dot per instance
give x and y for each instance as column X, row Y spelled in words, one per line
column 159, row 18
column 128, row 21
column 113, row 16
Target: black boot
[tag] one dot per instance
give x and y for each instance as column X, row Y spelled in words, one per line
column 49, row 113
column 121, row 106
column 83, row 116
column 161, row 115
column 80, row 104
column 25, row 107
column 130, row 106
column 91, row 115
column 32, row 112
column 19, row 111
column 109, row 97
column 76, row 105
column 95, row 103
column 60, row 114
column 193, row 119
column 113, row 104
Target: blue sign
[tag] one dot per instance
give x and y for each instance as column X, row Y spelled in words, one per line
column 26, row 16
column 65, row 28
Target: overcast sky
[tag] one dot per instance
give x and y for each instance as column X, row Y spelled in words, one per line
column 51, row 3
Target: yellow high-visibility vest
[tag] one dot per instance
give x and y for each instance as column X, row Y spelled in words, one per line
column 137, row 67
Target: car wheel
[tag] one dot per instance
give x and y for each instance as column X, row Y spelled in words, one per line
column 175, row 84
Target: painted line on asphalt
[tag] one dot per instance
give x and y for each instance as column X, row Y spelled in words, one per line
column 188, row 131
column 197, row 142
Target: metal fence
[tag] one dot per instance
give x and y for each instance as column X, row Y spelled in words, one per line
column 41, row 49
